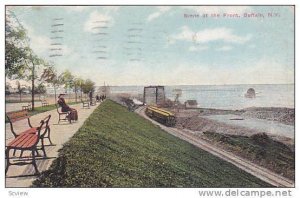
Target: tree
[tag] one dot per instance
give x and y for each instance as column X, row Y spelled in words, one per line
column 16, row 48
column 35, row 61
column 67, row 80
column 78, row 82
column 20, row 88
column 20, row 60
column 7, row 88
column 51, row 76
column 40, row 89
column 88, row 86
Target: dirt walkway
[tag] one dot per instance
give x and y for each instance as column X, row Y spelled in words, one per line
column 22, row 176
column 258, row 171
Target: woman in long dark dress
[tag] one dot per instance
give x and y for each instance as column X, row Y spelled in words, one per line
column 65, row 108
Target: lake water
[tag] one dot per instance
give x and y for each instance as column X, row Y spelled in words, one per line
column 226, row 96
column 266, row 126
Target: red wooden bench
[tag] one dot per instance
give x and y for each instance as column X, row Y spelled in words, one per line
column 28, row 142
column 21, row 115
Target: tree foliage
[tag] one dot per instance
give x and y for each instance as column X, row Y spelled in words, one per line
column 88, row 86
column 20, row 60
column 67, row 79
column 16, row 47
column 40, row 89
column 20, row 88
column 51, row 76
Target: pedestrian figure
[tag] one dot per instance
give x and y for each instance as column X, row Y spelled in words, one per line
column 91, row 97
column 73, row 115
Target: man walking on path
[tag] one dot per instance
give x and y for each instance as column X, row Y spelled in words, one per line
column 91, row 97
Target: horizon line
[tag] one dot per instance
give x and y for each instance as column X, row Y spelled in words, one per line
column 197, row 84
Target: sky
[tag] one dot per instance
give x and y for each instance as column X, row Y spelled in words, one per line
column 165, row 45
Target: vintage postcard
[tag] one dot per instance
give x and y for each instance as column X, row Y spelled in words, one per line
column 150, row 96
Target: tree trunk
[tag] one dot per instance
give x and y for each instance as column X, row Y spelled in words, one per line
column 54, row 94
column 75, row 93
column 32, row 94
column 32, row 89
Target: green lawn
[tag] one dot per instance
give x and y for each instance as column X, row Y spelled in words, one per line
column 47, row 108
column 117, row 148
column 22, row 101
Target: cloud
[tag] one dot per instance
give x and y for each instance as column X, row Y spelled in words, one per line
column 97, row 17
column 153, row 16
column 39, row 43
column 252, row 46
column 263, row 71
column 198, row 48
column 163, row 8
column 224, row 48
column 67, row 50
column 210, row 34
column 267, row 70
column 160, row 11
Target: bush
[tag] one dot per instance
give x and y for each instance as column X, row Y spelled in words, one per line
column 261, row 138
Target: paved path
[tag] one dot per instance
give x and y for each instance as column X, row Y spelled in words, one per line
column 252, row 168
column 21, row 176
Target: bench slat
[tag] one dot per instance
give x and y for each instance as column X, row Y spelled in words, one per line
column 31, row 141
column 19, row 141
column 24, row 141
column 31, row 130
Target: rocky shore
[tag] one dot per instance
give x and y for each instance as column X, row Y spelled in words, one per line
column 195, row 120
column 274, row 152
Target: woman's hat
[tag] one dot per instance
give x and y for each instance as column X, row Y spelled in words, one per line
column 61, row 95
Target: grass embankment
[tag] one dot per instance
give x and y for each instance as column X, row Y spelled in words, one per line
column 117, row 148
column 261, row 149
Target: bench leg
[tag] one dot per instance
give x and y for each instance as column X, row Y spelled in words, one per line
column 21, row 153
column 34, row 162
column 7, row 160
column 43, row 148
column 14, row 154
column 49, row 136
column 69, row 117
